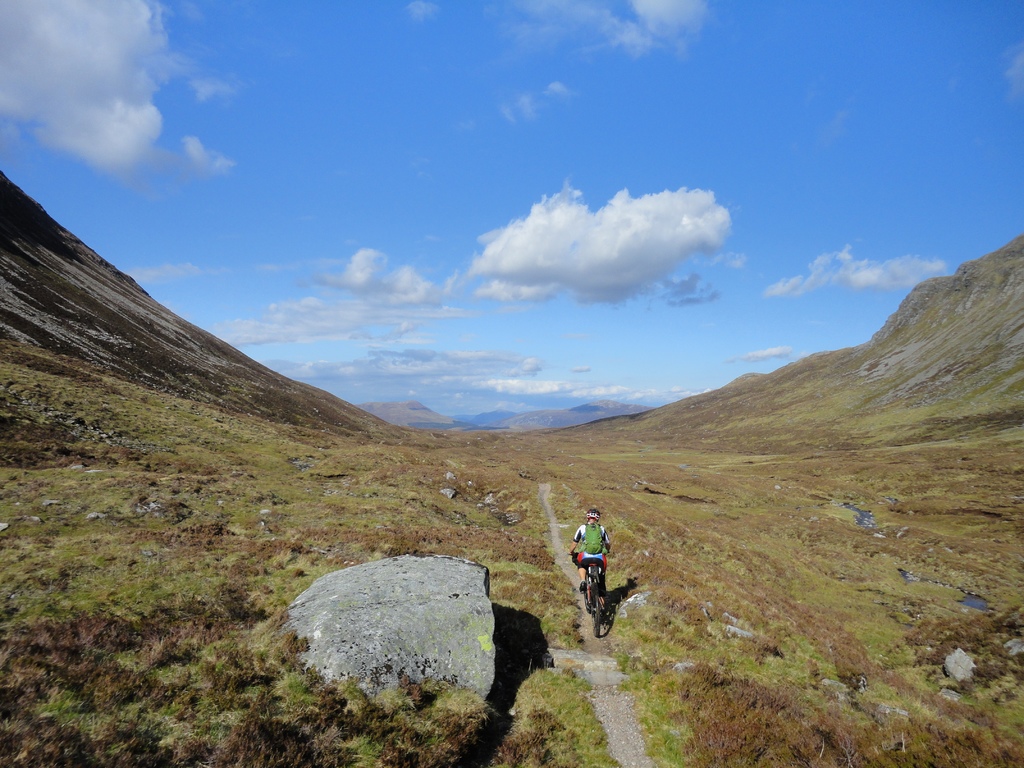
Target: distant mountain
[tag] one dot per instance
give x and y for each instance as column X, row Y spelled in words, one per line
column 58, row 294
column 413, row 414
column 949, row 362
column 485, row 419
column 581, row 414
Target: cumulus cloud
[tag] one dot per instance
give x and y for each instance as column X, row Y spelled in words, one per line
column 81, row 76
column 840, row 268
column 772, row 353
column 364, row 276
column 622, row 250
column 648, row 24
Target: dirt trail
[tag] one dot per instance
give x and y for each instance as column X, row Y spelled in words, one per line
column 614, row 707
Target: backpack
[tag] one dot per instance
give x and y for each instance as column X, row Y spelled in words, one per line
column 593, row 541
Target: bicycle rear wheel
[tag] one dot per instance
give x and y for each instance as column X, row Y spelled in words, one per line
column 594, row 597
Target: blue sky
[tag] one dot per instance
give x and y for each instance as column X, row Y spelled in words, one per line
column 522, row 204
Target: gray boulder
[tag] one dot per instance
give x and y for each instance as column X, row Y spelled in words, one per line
column 417, row 617
column 959, row 666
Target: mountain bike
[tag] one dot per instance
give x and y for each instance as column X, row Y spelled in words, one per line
column 595, row 603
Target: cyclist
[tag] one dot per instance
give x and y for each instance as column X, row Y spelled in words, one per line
column 593, row 539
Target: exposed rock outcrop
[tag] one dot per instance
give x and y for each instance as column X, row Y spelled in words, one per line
column 959, row 666
column 409, row 616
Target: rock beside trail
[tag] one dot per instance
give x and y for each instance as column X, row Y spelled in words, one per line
column 417, row 617
column 959, row 666
column 634, row 601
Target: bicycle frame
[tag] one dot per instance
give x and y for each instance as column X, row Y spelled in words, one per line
column 593, row 596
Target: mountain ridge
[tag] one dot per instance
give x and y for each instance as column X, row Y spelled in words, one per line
column 61, row 295
column 949, row 360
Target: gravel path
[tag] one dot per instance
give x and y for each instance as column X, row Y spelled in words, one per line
column 614, row 708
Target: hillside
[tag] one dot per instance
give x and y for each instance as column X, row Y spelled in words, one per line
column 413, row 414
column 59, row 295
column 567, row 417
column 948, row 363
column 554, row 419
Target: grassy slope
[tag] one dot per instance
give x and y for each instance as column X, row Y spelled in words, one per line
column 141, row 610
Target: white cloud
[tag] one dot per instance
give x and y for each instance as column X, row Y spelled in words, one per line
column 204, row 162
column 421, row 11
column 1015, row 72
column 527, row 106
column 649, row 24
column 772, row 353
column 619, row 251
column 207, row 88
column 385, row 374
column 81, row 76
column 364, row 276
column 458, row 381
column 557, row 90
column 313, row 319
column 731, row 260
column 842, row 269
column 522, row 107
column 534, row 387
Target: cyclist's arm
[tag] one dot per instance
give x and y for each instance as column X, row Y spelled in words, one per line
column 575, row 540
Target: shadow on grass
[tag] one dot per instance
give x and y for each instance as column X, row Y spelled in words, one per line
column 519, row 649
column 614, row 599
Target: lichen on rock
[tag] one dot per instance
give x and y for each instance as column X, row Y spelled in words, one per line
column 410, row 616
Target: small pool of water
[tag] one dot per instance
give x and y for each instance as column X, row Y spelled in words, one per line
column 975, row 602
column 862, row 517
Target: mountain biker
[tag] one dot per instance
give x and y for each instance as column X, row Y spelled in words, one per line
column 593, row 539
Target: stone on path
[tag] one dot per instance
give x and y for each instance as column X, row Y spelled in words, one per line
column 417, row 617
column 596, row 670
